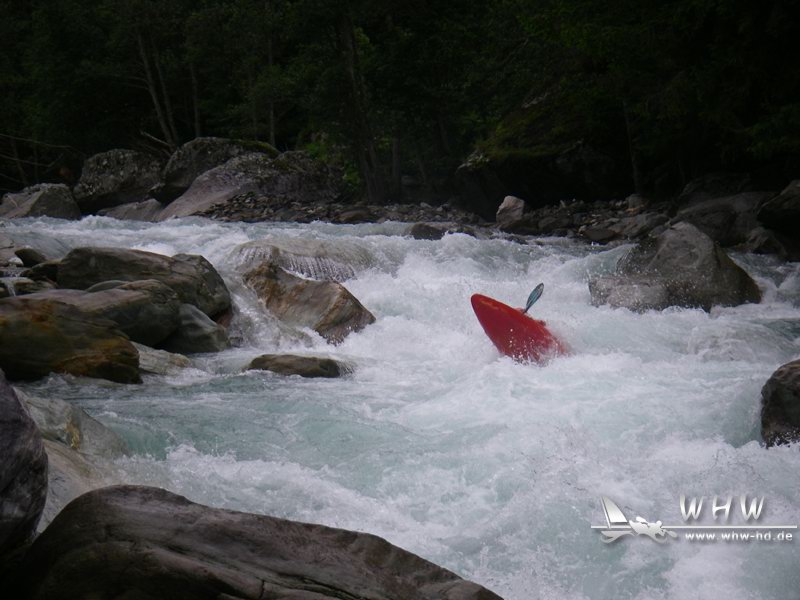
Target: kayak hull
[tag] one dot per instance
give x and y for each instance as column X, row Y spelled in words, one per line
column 514, row 334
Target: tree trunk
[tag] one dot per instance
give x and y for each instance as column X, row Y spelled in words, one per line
column 195, row 101
column 165, row 95
column 396, row 185
column 369, row 164
column 151, row 88
column 637, row 176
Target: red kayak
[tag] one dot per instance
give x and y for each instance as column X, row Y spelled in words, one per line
column 515, row 334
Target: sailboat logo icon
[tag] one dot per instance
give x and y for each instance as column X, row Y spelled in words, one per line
column 617, row 525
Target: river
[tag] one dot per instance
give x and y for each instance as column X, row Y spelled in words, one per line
column 490, row 468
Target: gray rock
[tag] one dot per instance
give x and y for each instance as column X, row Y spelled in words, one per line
column 765, row 241
column 598, row 234
column 30, row 257
column 146, row 311
column 305, row 366
column 198, row 156
column 20, row 286
column 638, row 294
column 727, row 220
column 154, row 544
column 42, row 336
column 191, row 277
column 146, row 210
column 71, row 426
column 693, row 269
column 780, row 406
column 509, row 215
column 292, row 175
column 195, row 333
column 324, row 306
column 23, row 471
column 40, row 200
column 782, row 213
column 714, row 185
column 160, row 362
column 328, row 260
column 26, row 241
column 115, row 177
column 70, row 474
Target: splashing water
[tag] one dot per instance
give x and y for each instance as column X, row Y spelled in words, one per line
column 490, row 468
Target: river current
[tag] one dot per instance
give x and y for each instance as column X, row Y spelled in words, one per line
column 490, row 468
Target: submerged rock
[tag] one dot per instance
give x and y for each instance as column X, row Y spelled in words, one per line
column 146, row 210
column 195, row 333
column 41, row 336
column 23, row 472
column 305, row 366
column 780, row 406
column 192, row 277
column 331, row 260
column 680, row 267
column 326, row 307
column 41, row 200
column 116, row 177
column 154, row 544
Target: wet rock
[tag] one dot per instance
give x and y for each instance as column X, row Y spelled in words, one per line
column 599, row 235
column 693, row 269
column 355, row 215
column 160, row 362
column 780, row 406
column 290, row 176
column 70, row 474
column 41, row 200
column 509, row 215
column 23, row 472
column 30, row 257
column 116, row 177
column 41, row 336
column 192, row 277
column 765, row 241
column 324, row 306
column 71, row 426
column 154, row 544
column 195, row 333
column 305, row 366
column 782, row 213
column 714, row 185
column 329, row 260
column 146, row 210
column 727, row 220
column 637, row 226
column 20, row 286
column 198, row 156
column 146, row 311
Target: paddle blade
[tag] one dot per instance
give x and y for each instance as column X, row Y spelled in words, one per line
column 535, row 295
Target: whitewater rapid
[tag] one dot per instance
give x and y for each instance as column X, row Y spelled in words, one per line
column 487, row 467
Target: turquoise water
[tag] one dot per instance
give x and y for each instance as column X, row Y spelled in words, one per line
column 487, row 467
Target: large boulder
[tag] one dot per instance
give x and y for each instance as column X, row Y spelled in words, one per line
column 23, row 472
column 116, row 177
column 680, row 267
column 780, row 406
column 146, row 210
column 714, row 185
column 146, row 311
column 328, row 260
column 41, row 336
column 305, row 366
column 326, row 307
column 41, row 200
column 160, row 362
column 727, row 220
column 290, row 176
column 198, row 156
column 511, row 217
column 782, row 213
column 151, row 543
column 196, row 332
column 192, row 277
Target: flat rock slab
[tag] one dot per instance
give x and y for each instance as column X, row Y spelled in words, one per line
column 305, row 366
column 154, row 544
